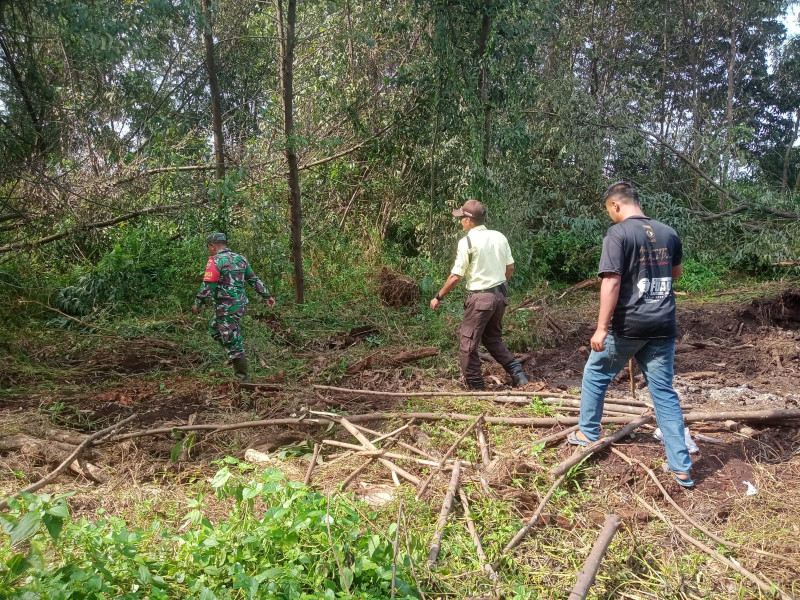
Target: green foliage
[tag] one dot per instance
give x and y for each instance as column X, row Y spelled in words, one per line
column 700, row 277
column 278, row 540
column 144, row 264
column 565, row 256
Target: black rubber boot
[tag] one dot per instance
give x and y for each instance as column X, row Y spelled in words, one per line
column 240, row 368
column 476, row 384
column 518, row 379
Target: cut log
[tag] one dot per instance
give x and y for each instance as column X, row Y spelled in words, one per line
column 476, row 539
column 412, row 355
column 447, row 504
column 579, row 455
column 311, row 466
column 52, row 451
column 484, row 446
column 589, row 571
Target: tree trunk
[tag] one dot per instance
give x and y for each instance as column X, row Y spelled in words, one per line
column 213, row 86
column 483, row 83
column 286, row 35
column 729, row 112
column 788, row 155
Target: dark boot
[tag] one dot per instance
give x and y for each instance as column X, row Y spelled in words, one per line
column 240, row 368
column 476, row 384
column 518, row 379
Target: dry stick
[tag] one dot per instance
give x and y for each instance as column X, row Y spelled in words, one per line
column 369, row 461
column 310, row 471
column 394, row 546
column 447, row 455
column 386, row 463
column 434, row 394
column 361, row 451
column 487, row 566
column 587, row 574
column 565, row 404
column 552, row 438
column 756, row 416
column 485, row 456
column 686, row 516
column 580, row 455
column 399, row 442
column 762, row 585
column 447, row 504
column 515, row 541
column 67, row 461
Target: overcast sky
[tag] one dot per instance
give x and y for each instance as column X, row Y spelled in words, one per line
column 791, row 20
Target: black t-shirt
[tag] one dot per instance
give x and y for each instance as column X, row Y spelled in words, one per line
column 643, row 251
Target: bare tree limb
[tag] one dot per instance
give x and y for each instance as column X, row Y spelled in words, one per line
column 589, row 571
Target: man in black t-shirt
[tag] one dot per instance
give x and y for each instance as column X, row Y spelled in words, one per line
column 641, row 258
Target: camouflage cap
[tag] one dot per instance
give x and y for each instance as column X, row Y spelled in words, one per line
column 216, row 238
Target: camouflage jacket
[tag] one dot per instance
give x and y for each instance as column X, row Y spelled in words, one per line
column 224, row 279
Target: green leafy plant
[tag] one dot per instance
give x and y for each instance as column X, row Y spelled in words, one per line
column 279, row 540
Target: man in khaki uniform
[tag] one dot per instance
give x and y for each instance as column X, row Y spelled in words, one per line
column 484, row 260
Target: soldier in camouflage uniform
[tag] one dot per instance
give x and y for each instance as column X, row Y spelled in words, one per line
column 223, row 283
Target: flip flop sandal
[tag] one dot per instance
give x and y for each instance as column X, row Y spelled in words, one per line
column 687, row 483
column 575, row 440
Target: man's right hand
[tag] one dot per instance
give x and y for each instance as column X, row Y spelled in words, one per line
column 598, row 342
column 196, row 309
column 434, row 304
column 270, row 302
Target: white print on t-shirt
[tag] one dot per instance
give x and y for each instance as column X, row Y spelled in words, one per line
column 654, row 289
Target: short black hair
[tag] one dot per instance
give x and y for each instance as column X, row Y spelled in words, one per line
column 624, row 190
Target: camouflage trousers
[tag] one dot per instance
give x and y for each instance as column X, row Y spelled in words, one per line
column 224, row 328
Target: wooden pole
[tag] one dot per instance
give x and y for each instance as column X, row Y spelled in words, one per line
column 447, row 504
column 633, row 382
column 600, row 444
column 589, row 571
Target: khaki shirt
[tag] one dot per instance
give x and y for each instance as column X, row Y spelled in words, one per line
column 484, row 265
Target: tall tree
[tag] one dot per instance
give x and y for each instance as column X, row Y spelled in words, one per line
column 286, row 37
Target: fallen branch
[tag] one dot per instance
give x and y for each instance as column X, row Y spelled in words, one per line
column 552, row 438
column 589, row 571
column 685, row 515
column 487, row 566
column 447, row 455
column 369, row 446
column 310, row 471
column 757, row 416
column 762, row 585
column 153, row 210
column 52, row 451
column 565, row 403
column 399, row 442
column 395, row 435
column 447, row 504
column 522, row 533
column 443, row 394
column 65, row 464
column 580, row 455
column 412, row 355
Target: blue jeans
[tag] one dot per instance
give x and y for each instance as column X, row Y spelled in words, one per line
column 656, row 360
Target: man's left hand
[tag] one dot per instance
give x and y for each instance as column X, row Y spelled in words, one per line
column 271, row 302
column 434, row 304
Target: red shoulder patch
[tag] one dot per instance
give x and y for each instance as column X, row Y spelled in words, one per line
column 212, row 273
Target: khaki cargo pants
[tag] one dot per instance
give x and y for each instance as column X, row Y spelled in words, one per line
column 483, row 323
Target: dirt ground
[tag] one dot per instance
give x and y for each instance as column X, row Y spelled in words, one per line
column 731, row 355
